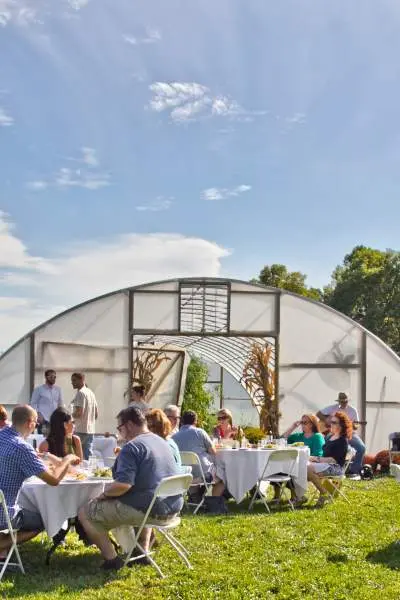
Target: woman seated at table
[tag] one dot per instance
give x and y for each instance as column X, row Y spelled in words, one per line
column 60, row 440
column 225, row 430
column 310, row 434
column 334, row 455
column 158, row 423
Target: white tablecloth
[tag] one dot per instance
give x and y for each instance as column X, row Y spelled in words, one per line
column 59, row 503
column 241, row 469
column 105, row 447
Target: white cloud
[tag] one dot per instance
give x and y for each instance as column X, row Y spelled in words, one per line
column 89, row 156
column 87, row 177
column 78, row 4
column 191, row 101
column 160, row 203
column 84, row 270
column 223, row 193
column 152, row 36
column 5, row 119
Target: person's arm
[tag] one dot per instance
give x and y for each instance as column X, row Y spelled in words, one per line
column 124, row 473
column 78, row 406
column 318, row 445
column 43, row 447
column 34, row 398
column 291, row 429
column 59, row 471
column 115, row 489
column 60, row 398
column 209, row 446
column 78, row 447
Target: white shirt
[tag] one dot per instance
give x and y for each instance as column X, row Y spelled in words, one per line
column 45, row 399
column 86, row 400
column 350, row 411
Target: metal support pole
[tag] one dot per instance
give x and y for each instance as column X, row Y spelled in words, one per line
column 363, row 384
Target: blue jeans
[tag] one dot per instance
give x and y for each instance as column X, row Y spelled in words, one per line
column 87, row 443
column 359, row 447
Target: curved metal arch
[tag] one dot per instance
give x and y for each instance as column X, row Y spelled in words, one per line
column 200, row 280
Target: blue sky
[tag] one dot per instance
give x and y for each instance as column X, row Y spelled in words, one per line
column 152, row 139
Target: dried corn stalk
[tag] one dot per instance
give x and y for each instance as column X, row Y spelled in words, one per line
column 259, row 380
column 145, row 365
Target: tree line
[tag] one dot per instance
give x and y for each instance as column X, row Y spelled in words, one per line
column 366, row 287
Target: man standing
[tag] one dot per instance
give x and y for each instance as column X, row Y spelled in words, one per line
column 143, row 462
column 356, row 442
column 19, row 461
column 45, row 399
column 85, row 413
column 173, row 413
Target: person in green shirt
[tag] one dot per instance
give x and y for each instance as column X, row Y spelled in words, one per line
column 310, row 434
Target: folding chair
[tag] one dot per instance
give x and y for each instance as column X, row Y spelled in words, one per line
column 14, row 548
column 191, row 459
column 333, row 483
column 280, row 480
column 169, row 486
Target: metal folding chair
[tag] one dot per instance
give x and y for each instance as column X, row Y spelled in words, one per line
column 276, row 456
column 191, row 459
column 333, row 483
column 169, row 486
column 14, row 548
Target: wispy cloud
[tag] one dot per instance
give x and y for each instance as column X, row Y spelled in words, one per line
column 192, row 101
column 152, row 36
column 6, row 120
column 223, row 193
column 24, row 13
column 87, row 177
column 78, row 4
column 160, row 203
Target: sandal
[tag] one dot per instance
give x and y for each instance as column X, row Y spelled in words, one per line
column 322, row 500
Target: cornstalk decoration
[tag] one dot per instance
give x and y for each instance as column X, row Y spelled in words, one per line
column 259, row 380
column 144, row 367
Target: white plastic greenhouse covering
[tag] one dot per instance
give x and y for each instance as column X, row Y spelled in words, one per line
column 317, row 351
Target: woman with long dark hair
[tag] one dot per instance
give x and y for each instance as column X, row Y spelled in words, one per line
column 60, row 440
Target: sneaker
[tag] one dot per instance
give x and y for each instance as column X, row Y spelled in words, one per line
column 354, row 476
column 300, row 501
column 113, row 565
column 322, row 500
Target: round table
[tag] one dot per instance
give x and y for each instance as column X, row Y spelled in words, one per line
column 241, row 469
column 60, row 503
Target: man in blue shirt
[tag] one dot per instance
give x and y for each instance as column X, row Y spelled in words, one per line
column 143, row 462
column 191, row 438
column 19, row 461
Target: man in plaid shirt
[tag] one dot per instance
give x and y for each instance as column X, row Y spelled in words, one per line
column 19, row 461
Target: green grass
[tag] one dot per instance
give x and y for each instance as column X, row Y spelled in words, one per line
column 338, row 552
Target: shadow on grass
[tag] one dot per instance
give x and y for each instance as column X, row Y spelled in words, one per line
column 389, row 556
column 71, row 570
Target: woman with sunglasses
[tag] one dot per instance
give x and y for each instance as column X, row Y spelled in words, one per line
column 225, row 430
column 60, row 440
column 310, row 434
column 334, row 456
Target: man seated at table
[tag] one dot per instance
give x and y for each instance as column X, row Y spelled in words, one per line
column 144, row 460
column 19, row 461
column 173, row 413
column 191, row 438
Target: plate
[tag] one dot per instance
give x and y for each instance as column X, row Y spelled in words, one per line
column 94, row 478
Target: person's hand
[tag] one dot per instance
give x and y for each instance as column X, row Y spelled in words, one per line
column 117, row 450
column 312, row 459
column 72, row 459
column 297, row 423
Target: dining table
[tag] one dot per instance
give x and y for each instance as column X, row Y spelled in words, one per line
column 240, row 469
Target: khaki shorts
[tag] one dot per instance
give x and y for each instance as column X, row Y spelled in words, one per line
column 109, row 514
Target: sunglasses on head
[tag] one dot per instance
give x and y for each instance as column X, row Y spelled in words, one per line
column 222, row 418
column 335, row 423
column 305, row 422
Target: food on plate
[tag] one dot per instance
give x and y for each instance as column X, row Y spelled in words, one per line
column 270, row 446
column 297, row 444
column 102, row 472
column 77, row 476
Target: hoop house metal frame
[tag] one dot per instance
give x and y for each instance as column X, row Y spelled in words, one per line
column 317, row 351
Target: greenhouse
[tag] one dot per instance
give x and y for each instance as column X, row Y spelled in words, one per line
column 316, row 352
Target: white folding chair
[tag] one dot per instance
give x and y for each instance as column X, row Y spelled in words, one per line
column 169, row 486
column 333, row 483
column 191, row 459
column 277, row 456
column 14, row 548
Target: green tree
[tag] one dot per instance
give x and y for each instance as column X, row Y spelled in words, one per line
column 196, row 397
column 278, row 276
column 366, row 287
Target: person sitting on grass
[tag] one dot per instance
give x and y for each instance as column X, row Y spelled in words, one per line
column 143, row 462
column 60, row 440
column 334, row 455
column 19, row 461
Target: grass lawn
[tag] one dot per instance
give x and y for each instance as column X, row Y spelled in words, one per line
column 338, row 552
